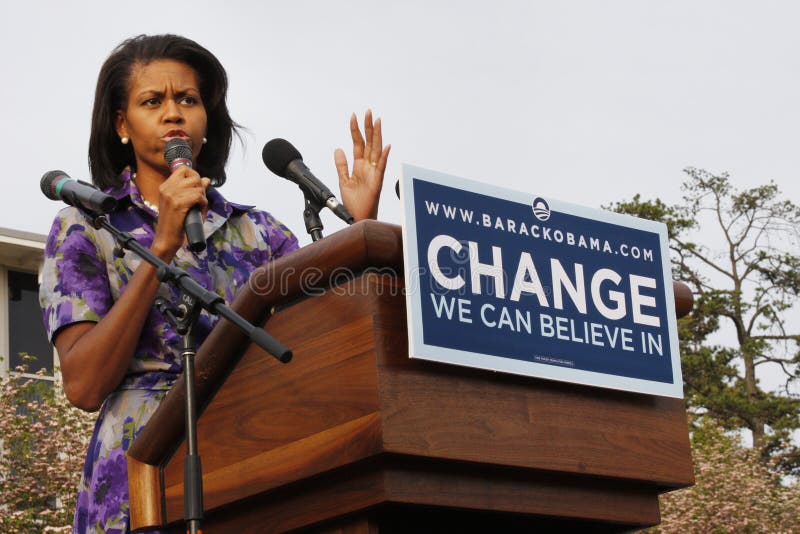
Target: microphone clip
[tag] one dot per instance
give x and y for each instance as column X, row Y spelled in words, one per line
column 311, row 217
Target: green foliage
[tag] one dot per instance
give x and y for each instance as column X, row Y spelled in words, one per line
column 44, row 441
column 734, row 490
column 747, row 282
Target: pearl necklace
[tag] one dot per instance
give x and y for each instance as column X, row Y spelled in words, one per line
column 150, row 205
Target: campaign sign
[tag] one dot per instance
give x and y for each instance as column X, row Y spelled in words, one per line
column 526, row 284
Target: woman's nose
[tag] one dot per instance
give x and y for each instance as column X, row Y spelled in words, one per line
column 172, row 111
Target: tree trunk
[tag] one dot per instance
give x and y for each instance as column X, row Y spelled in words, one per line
column 756, row 421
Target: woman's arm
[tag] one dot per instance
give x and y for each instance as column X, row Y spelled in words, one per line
column 95, row 356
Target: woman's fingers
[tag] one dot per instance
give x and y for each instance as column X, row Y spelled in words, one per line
column 382, row 159
column 377, row 143
column 368, row 131
column 342, row 170
column 358, row 141
column 184, row 184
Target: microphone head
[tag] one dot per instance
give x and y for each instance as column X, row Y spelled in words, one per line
column 48, row 183
column 278, row 154
column 177, row 149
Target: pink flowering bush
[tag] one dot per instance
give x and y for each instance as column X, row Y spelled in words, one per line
column 43, row 444
column 735, row 491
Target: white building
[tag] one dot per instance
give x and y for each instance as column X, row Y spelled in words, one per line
column 21, row 328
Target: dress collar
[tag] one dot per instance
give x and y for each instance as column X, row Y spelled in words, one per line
column 127, row 192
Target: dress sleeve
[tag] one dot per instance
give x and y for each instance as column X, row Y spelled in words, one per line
column 281, row 240
column 75, row 284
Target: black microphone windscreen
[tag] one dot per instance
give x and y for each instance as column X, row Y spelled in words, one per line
column 48, row 182
column 177, row 148
column 278, row 154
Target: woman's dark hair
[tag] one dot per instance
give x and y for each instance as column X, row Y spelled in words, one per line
column 107, row 155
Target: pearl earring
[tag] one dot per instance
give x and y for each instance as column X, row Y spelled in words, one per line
column 124, row 140
column 205, row 140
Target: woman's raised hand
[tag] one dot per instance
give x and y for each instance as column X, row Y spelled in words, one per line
column 361, row 189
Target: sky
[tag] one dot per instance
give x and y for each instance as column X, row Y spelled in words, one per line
column 584, row 101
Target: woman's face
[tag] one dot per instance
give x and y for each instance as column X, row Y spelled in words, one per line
column 163, row 103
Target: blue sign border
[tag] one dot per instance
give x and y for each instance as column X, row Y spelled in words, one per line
column 542, row 207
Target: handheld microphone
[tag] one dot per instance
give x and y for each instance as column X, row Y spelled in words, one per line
column 177, row 153
column 57, row 185
column 283, row 159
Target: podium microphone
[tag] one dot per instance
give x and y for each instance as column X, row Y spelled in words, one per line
column 57, row 185
column 283, row 159
column 177, row 153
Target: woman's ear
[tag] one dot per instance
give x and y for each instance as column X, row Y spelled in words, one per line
column 120, row 124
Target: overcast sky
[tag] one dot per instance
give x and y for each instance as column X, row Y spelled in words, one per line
column 583, row 101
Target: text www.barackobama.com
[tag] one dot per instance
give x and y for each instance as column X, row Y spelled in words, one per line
column 537, row 231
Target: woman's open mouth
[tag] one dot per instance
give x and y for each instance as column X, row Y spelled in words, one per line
column 173, row 134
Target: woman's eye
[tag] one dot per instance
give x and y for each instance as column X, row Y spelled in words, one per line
column 189, row 100
column 150, row 102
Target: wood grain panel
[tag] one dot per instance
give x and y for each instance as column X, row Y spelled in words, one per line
column 419, row 486
column 331, row 383
column 147, row 495
column 298, row 400
column 299, row 507
column 520, row 492
column 304, row 458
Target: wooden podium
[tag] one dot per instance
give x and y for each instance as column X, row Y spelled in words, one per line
column 354, row 436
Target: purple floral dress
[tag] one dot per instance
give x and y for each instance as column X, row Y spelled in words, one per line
column 82, row 279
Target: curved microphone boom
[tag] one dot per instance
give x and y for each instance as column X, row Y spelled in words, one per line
column 283, row 159
column 57, row 185
column 177, row 153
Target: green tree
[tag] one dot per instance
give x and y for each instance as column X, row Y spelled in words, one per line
column 44, row 441
column 749, row 279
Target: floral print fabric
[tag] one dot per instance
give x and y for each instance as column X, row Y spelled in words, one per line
column 81, row 280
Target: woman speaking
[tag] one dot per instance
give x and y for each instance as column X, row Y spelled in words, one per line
column 118, row 354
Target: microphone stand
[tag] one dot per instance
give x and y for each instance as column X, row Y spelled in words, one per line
column 183, row 317
column 311, row 215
